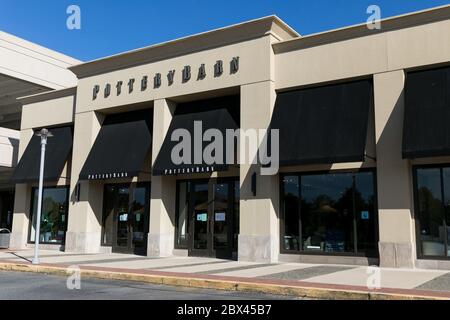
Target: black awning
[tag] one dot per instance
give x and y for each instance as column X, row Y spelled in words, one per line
column 121, row 146
column 220, row 113
column 323, row 125
column 426, row 129
column 56, row 154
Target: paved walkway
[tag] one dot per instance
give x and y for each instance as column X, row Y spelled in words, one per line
column 422, row 282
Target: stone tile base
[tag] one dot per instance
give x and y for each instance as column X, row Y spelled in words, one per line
column 258, row 248
column 83, row 242
column 160, row 245
column 17, row 241
column 328, row 259
column 396, row 255
column 180, row 252
column 49, row 247
column 433, row 264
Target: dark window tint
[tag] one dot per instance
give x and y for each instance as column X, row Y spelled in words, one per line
column 327, row 213
column 182, row 215
column 53, row 215
column 430, row 210
column 291, row 239
column 337, row 213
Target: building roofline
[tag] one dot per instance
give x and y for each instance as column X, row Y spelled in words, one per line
column 193, row 43
column 48, row 95
column 33, row 63
column 359, row 30
column 46, row 54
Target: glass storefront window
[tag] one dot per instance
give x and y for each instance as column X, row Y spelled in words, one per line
column 6, row 209
column 292, row 219
column 53, row 216
column 365, row 202
column 182, row 214
column 326, row 213
column 432, row 205
column 237, row 192
column 329, row 213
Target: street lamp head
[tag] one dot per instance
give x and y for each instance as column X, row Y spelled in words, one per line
column 44, row 133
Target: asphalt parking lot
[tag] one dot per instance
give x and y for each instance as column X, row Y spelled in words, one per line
column 30, row 286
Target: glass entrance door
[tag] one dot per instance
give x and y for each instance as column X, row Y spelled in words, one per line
column 126, row 218
column 221, row 217
column 200, row 224
column 212, row 218
column 122, row 242
column 6, row 209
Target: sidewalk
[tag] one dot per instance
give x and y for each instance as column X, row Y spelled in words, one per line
column 305, row 280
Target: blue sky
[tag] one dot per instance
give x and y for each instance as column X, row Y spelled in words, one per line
column 109, row 27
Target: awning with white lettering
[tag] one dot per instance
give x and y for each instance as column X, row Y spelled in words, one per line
column 121, row 146
column 194, row 119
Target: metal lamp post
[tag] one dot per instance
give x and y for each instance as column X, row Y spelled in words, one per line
column 44, row 134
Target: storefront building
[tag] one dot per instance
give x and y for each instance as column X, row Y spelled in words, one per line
column 364, row 149
column 25, row 69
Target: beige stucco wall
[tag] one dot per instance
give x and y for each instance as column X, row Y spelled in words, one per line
column 84, row 223
column 9, row 147
column 395, row 204
column 253, row 58
column 48, row 113
column 30, row 62
column 363, row 56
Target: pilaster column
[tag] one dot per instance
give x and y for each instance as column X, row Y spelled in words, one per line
column 259, row 235
column 161, row 237
column 85, row 216
column 395, row 203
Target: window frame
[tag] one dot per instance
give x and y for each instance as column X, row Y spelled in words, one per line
column 419, row 250
column 30, row 225
column 369, row 254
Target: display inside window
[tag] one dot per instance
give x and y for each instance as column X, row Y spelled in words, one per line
column 329, row 213
column 432, row 205
column 53, row 222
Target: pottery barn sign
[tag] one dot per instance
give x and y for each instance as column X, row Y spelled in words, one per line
column 186, row 75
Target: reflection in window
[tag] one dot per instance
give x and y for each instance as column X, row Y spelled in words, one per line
column 138, row 213
column 182, row 214
column 108, row 215
column 336, row 214
column 432, row 228
column 6, row 209
column 126, row 209
column 291, row 206
column 53, row 216
column 236, row 215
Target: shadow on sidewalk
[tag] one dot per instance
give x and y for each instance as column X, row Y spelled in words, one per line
column 20, row 257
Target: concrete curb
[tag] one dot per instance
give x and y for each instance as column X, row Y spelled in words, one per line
column 219, row 284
